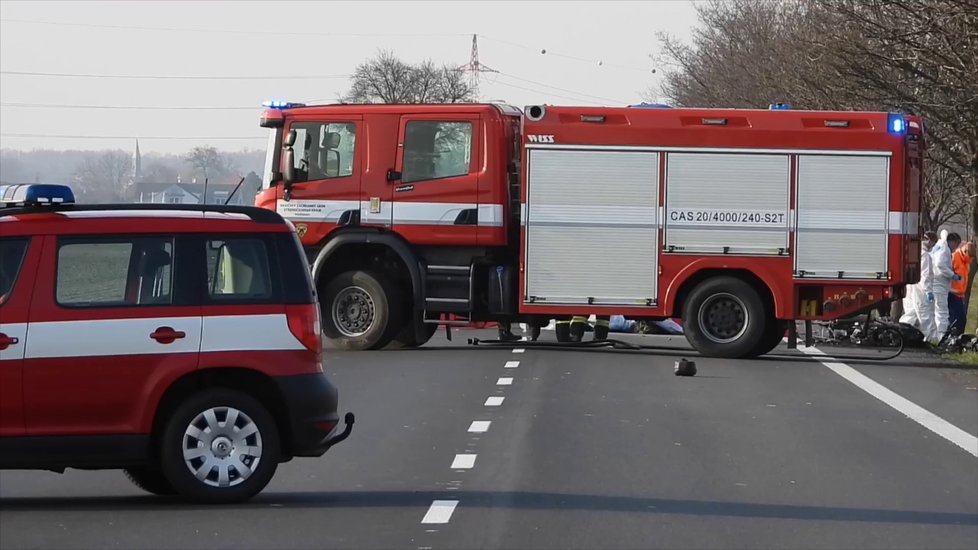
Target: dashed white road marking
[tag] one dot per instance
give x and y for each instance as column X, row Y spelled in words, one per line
column 504, row 382
column 519, row 350
column 440, row 511
column 511, row 364
column 463, row 462
column 479, row 426
column 494, row 401
column 903, row 405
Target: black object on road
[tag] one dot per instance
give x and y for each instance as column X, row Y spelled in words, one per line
column 685, row 368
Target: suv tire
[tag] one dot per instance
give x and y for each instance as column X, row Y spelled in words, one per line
column 361, row 310
column 210, row 408
column 150, row 480
column 725, row 317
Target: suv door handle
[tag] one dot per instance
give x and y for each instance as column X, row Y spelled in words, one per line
column 166, row 335
column 7, row 341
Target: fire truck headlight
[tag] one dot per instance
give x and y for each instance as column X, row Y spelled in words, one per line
column 896, row 124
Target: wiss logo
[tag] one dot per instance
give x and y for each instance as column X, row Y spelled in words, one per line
column 540, row 138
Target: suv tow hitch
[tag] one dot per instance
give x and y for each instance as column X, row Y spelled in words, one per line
column 348, row 420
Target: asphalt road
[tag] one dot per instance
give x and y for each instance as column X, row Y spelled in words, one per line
column 587, row 449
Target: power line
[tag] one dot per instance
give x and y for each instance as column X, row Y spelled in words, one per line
column 546, row 92
column 580, row 94
column 229, row 31
column 66, row 136
column 544, row 51
column 178, row 77
column 128, row 107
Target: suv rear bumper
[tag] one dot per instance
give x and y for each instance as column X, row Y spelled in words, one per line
column 311, row 401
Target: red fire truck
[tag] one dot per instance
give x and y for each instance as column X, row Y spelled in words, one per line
column 735, row 221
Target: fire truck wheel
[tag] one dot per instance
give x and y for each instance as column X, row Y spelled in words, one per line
column 360, row 311
column 406, row 337
column 220, row 446
column 772, row 338
column 724, row 317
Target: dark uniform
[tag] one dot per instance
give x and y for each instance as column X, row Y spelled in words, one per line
column 562, row 329
column 578, row 325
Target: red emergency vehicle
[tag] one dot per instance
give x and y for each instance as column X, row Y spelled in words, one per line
column 735, row 221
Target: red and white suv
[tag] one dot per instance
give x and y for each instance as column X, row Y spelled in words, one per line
column 179, row 343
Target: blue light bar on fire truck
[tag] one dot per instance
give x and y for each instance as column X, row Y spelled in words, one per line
column 779, row 107
column 35, row 194
column 279, row 104
column 895, row 124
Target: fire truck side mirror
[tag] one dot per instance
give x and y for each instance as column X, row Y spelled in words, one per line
column 393, row 175
column 288, row 166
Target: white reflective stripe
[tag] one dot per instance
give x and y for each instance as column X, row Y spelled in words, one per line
column 491, row 215
column 429, row 213
column 382, row 217
column 314, row 210
column 249, row 333
column 523, row 213
column 904, row 223
column 16, row 351
column 398, row 212
column 859, row 220
column 560, row 214
column 108, row 337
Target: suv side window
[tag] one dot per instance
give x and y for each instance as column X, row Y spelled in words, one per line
column 114, row 272
column 436, row 150
column 324, row 150
column 12, row 252
column 238, row 269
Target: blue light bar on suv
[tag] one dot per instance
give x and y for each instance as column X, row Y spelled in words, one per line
column 33, row 194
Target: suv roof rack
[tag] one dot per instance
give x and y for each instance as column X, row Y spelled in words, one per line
column 258, row 215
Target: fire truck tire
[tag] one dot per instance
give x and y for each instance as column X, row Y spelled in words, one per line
column 406, row 337
column 724, row 317
column 772, row 338
column 361, row 310
column 243, row 457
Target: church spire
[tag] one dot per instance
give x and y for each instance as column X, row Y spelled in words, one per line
column 137, row 165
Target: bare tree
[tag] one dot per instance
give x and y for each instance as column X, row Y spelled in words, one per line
column 209, row 161
column 915, row 56
column 104, row 178
column 159, row 172
column 387, row 79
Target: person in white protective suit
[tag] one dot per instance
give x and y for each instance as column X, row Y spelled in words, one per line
column 940, row 256
column 918, row 305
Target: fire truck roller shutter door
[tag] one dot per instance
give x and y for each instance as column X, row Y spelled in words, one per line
column 586, row 210
column 843, row 213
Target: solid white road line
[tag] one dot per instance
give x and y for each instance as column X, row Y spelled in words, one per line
column 463, row 462
column 511, row 364
column 479, row 426
column 440, row 511
column 504, row 382
column 913, row 411
column 494, row 401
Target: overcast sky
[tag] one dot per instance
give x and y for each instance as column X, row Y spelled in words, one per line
column 289, row 39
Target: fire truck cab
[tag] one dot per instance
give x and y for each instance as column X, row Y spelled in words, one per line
column 735, row 221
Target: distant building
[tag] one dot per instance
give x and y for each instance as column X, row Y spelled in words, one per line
column 188, row 193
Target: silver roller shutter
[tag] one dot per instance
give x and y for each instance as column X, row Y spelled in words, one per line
column 592, row 227
column 843, row 216
column 733, row 203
